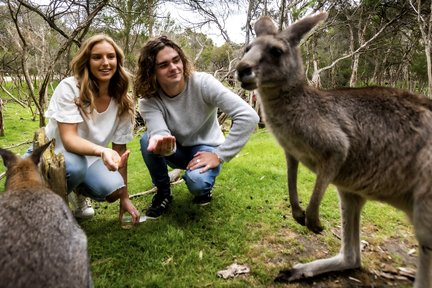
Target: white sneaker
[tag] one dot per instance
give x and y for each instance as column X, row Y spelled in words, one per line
column 82, row 207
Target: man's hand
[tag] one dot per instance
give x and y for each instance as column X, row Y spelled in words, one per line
column 162, row 144
column 204, row 160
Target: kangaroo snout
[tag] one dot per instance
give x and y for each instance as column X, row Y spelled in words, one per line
column 246, row 76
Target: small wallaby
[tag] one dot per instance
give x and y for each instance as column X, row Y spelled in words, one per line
column 371, row 143
column 41, row 244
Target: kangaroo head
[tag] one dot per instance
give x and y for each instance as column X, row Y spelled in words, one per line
column 22, row 172
column 272, row 59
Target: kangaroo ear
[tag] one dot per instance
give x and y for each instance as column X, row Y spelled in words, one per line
column 37, row 153
column 295, row 32
column 8, row 157
column 265, row 26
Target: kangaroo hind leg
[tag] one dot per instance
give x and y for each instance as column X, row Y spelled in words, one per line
column 349, row 256
column 422, row 220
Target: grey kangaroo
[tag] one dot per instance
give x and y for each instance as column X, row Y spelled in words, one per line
column 371, row 143
column 41, row 244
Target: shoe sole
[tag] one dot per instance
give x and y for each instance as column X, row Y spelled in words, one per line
column 202, row 204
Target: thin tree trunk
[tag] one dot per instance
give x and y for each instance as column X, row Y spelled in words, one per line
column 248, row 21
column 1, row 118
column 425, row 26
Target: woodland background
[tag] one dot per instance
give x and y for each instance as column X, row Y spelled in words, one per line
column 369, row 42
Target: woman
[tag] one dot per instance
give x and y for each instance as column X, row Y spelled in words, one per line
column 88, row 111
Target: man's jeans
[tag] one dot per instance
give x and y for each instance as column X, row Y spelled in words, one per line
column 197, row 183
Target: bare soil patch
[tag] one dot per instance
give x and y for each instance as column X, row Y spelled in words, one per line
column 384, row 259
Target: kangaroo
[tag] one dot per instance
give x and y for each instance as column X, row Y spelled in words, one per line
column 41, row 244
column 371, row 143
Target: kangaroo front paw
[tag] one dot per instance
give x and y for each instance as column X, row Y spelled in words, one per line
column 314, row 225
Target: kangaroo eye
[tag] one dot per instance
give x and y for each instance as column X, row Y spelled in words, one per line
column 247, row 48
column 276, row 52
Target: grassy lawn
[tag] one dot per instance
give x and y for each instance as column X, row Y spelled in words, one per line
column 248, row 222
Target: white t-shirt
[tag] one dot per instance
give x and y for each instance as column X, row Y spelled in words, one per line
column 99, row 128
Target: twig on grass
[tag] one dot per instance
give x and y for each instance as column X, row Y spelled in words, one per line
column 175, row 178
column 153, row 190
column 19, row 144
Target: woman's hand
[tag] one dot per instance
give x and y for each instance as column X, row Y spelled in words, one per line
column 112, row 160
column 127, row 206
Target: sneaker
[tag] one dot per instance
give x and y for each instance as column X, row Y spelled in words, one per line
column 160, row 204
column 83, row 208
column 203, row 200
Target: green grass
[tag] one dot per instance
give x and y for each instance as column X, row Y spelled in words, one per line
column 19, row 126
column 248, row 222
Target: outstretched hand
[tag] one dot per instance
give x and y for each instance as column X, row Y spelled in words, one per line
column 162, row 144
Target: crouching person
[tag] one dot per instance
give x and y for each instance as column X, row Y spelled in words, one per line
column 180, row 108
column 86, row 113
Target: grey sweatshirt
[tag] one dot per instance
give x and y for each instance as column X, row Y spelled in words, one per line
column 191, row 116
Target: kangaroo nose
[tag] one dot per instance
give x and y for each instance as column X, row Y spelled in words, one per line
column 243, row 70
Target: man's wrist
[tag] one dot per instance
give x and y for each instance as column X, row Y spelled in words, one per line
column 218, row 156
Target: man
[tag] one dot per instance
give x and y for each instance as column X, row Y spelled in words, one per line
column 179, row 107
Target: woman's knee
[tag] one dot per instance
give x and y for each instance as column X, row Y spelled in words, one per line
column 76, row 169
column 102, row 182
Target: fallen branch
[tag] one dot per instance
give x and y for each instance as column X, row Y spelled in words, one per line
column 13, row 97
column 153, row 190
column 17, row 145
column 175, row 178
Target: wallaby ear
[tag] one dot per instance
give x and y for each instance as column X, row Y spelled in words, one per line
column 295, row 32
column 37, row 153
column 265, row 26
column 8, row 157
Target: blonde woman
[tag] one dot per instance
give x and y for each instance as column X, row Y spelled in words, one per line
column 87, row 112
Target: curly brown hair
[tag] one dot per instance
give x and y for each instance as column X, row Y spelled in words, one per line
column 88, row 85
column 145, row 83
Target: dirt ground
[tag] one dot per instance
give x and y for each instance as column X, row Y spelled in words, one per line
column 386, row 261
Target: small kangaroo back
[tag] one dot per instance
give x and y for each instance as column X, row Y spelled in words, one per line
column 41, row 244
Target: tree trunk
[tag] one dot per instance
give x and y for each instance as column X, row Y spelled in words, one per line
column 52, row 166
column 248, row 21
column 429, row 67
column 425, row 26
column 1, row 119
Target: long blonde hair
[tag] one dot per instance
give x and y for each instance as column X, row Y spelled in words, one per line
column 118, row 85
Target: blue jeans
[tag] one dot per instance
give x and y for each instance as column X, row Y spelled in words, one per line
column 97, row 180
column 197, row 183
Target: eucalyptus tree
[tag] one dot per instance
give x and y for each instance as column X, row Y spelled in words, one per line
column 129, row 22
column 423, row 12
column 210, row 13
column 68, row 20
